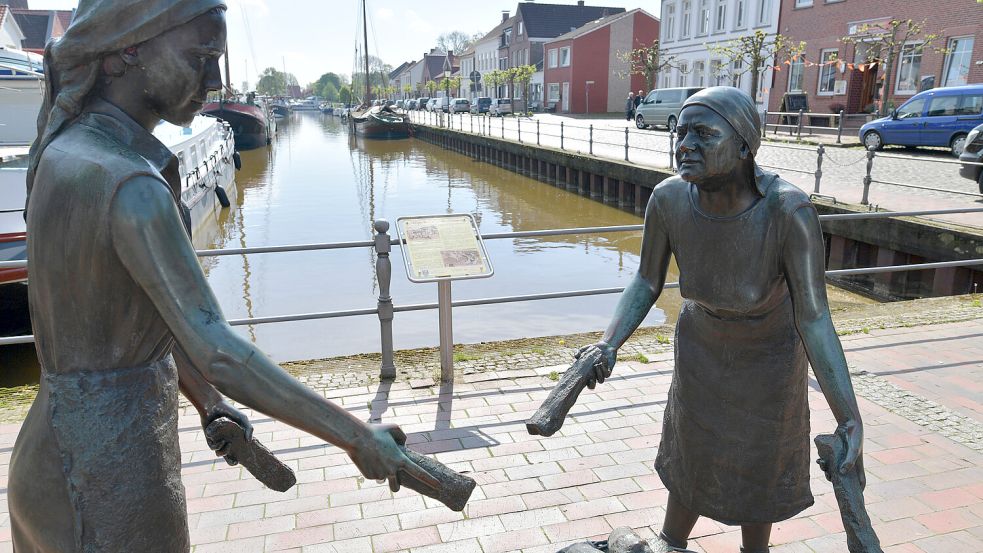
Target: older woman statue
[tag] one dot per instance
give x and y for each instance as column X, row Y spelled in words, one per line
column 749, row 246
column 115, row 286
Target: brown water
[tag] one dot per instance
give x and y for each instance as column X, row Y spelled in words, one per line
column 315, row 184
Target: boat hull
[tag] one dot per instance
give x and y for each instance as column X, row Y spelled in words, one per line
column 377, row 129
column 249, row 123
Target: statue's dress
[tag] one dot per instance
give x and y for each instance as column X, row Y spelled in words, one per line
column 96, row 466
column 735, row 442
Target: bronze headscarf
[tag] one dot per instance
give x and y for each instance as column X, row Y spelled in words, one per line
column 738, row 109
column 73, row 63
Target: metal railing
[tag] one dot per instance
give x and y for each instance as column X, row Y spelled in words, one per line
column 794, row 123
column 623, row 144
column 385, row 309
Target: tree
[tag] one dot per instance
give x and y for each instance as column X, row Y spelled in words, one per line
column 271, row 83
column 407, row 90
column 320, row 86
column 453, row 84
column 885, row 42
column 523, row 75
column 431, row 86
column 647, row 61
column 345, row 95
column 454, row 41
column 493, row 79
column 752, row 53
column 329, row 92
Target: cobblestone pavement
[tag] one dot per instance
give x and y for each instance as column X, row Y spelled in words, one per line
column 920, row 396
column 843, row 168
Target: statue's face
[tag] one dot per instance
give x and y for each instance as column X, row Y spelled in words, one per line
column 180, row 67
column 708, row 148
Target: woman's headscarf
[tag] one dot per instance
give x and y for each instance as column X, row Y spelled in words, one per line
column 736, row 107
column 72, row 63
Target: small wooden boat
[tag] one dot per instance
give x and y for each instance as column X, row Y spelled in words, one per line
column 380, row 123
column 250, row 123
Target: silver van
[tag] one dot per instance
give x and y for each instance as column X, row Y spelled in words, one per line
column 661, row 107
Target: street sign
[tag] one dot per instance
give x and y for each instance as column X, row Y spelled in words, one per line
column 443, row 247
column 475, row 77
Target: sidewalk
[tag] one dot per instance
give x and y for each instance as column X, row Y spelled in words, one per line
column 921, row 395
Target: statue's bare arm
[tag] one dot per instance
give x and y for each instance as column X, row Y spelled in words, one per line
column 152, row 244
column 804, row 266
column 641, row 293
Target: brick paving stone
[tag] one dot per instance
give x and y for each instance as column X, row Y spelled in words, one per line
column 405, row 539
column 299, row 538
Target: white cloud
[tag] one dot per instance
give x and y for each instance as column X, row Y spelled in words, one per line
column 416, row 23
column 384, row 13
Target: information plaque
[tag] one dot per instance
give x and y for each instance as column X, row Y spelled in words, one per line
column 442, row 247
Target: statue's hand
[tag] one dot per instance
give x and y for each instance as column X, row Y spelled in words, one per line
column 604, row 366
column 217, row 411
column 852, row 432
column 381, row 458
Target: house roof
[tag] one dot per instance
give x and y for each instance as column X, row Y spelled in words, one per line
column 3, row 13
column 395, row 72
column 600, row 23
column 40, row 26
column 494, row 33
column 553, row 20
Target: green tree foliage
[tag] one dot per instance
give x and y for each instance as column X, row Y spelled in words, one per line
column 454, row 41
column 431, row 86
column 521, row 76
column 647, row 61
column 493, row 79
column 329, row 92
column 345, row 95
column 883, row 44
column 274, row 83
column 754, row 52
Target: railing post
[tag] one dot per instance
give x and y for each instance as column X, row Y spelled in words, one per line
column 537, row 132
column 839, row 130
column 672, row 150
column 502, row 117
column 867, row 177
column 471, row 118
column 518, row 122
column 626, row 143
column 764, row 125
column 561, row 135
column 383, row 273
column 591, row 140
column 820, row 151
column 799, row 131
column 446, row 330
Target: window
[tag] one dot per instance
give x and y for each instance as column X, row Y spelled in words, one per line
column 957, row 61
column 666, row 80
column 704, row 17
column 553, row 57
column 565, row 56
column 941, row 106
column 736, row 74
column 970, row 105
column 717, row 76
column 522, row 27
column 669, row 22
column 739, row 14
column 721, row 21
column 912, row 109
column 698, row 76
column 764, row 11
column 681, row 78
column 804, row 3
column 911, row 64
column 827, row 71
column 554, row 92
column 796, row 71
column 685, row 23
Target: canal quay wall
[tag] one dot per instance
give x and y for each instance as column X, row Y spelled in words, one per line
column 855, row 243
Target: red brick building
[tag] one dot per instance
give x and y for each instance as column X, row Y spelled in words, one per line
column 855, row 86
column 583, row 72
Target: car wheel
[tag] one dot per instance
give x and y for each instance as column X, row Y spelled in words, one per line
column 640, row 122
column 873, row 141
column 958, row 144
column 671, row 123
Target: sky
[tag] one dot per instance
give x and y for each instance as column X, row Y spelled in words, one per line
column 312, row 37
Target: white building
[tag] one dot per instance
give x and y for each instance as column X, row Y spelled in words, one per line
column 467, row 67
column 689, row 26
column 10, row 33
column 486, row 54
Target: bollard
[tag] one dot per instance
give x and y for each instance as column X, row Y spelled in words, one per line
column 867, row 177
column 672, row 150
column 383, row 272
column 518, row 123
column 626, row 143
column 561, row 135
column 799, row 131
column 591, row 141
column 537, row 132
column 839, row 130
column 819, row 166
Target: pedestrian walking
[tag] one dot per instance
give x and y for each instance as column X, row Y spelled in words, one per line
column 638, row 98
column 630, row 106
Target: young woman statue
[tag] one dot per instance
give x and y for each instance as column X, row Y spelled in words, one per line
column 735, row 442
column 115, row 286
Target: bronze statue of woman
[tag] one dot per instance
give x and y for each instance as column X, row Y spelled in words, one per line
column 735, row 442
column 115, row 286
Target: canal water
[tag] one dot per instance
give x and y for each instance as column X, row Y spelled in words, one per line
column 316, row 184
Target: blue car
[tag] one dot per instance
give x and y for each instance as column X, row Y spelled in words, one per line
column 937, row 117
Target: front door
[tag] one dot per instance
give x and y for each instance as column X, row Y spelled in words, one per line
column 565, row 97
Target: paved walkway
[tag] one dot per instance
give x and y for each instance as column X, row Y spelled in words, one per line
column 921, row 397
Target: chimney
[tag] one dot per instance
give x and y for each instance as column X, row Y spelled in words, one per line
column 505, row 16
column 580, row 2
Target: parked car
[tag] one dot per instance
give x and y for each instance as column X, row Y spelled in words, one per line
column 432, row 104
column 460, row 105
column 480, row 104
column 399, row 104
column 409, row 104
column 937, row 117
column 973, row 153
column 661, row 107
column 443, row 104
column 500, row 106
column 421, row 104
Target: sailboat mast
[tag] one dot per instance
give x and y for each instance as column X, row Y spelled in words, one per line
column 228, row 72
column 365, row 36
